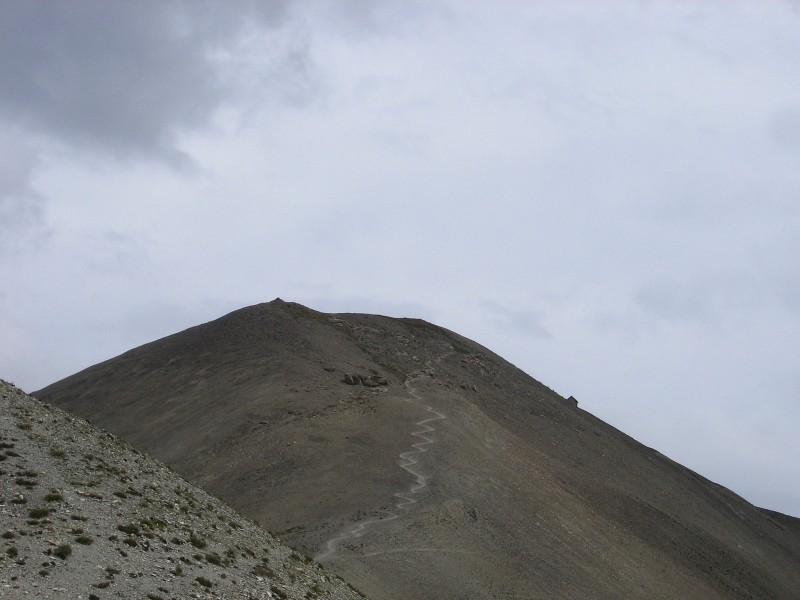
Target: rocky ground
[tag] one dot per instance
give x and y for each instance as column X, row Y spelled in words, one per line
column 84, row 515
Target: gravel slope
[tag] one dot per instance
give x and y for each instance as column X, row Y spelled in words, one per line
column 84, row 515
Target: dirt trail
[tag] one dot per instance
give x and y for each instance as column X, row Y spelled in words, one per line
column 407, row 461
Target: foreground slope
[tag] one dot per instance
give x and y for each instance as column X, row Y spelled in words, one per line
column 83, row 515
column 417, row 464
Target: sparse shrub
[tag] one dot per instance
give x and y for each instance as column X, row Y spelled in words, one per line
column 130, row 529
column 102, row 585
column 28, row 483
column 38, row 513
column 24, row 426
column 153, row 522
column 9, row 535
column 113, row 571
column 278, row 592
column 263, row 570
column 84, row 540
column 12, row 552
column 204, row 581
column 78, row 518
column 120, row 494
column 57, row 452
column 215, row 559
column 178, row 570
column 54, row 496
column 130, row 542
column 197, row 541
column 62, row 551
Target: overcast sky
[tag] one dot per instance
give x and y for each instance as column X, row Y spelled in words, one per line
column 605, row 193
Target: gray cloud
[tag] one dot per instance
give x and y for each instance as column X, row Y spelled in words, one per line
column 128, row 81
column 20, row 203
column 674, row 302
column 520, row 321
column 784, row 128
column 360, row 18
column 115, row 77
column 104, row 74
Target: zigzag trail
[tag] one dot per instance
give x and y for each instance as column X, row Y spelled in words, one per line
column 407, row 461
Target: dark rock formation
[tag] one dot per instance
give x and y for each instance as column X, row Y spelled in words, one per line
column 365, row 380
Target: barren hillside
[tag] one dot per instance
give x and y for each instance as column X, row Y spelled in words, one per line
column 418, row 464
column 83, row 515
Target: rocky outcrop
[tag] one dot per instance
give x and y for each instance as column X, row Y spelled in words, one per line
column 365, row 380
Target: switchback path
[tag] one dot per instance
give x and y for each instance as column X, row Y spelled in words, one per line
column 407, row 461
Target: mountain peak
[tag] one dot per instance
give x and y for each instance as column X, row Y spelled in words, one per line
column 418, row 464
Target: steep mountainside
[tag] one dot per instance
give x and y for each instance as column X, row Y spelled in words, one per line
column 84, row 515
column 417, row 464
